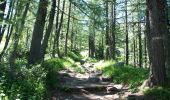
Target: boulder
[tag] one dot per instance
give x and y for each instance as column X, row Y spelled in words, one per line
column 82, row 61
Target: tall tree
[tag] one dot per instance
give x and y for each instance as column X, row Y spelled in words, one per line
column 68, row 26
column 140, row 44
column 2, row 11
column 49, row 29
column 167, row 37
column 127, row 34
column 38, row 32
column 158, row 29
column 10, row 16
column 58, row 31
column 92, row 39
column 113, row 30
column 107, row 38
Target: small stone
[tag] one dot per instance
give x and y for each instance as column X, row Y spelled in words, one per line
column 82, row 61
column 106, row 79
column 94, row 79
column 53, row 98
column 112, row 89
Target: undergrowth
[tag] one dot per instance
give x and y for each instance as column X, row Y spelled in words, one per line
column 26, row 83
column 52, row 66
column 32, row 82
column 75, row 56
column 157, row 93
column 122, row 74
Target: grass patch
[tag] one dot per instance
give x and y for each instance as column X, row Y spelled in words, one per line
column 157, row 93
column 121, row 74
column 102, row 65
column 93, row 60
column 77, row 68
column 75, row 56
column 52, row 66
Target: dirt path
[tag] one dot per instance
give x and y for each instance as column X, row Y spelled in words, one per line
column 88, row 86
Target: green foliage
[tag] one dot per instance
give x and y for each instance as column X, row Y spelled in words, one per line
column 157, row 93
column 92, row 60
column 54, row 64
column 26, row 84
column 75, row 56
column 77, row 68
column 102, row 65
column 124, row 74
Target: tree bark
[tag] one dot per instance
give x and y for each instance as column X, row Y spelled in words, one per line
column 92, row 40
column 167, row 42
column 2, row 9
column 148, row 36
column 158, row 29
column 140, row 45
column 68, row 27
column 49, row 29
column 57, row 24
column 127, row 34
column 107, row 38
column 58, row 31
column 113, row 30
column 38, row 32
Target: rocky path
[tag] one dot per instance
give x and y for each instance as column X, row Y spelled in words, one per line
column 87, row 86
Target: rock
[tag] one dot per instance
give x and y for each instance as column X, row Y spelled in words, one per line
column 135, row 97
column 112, row 90
column 82, row 61
column 94, row 79
column 106, row 79
column 53, row 98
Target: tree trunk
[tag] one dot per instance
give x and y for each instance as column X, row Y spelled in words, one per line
column 148, row 36
column 134, row 46
column 68, row 26
column 113, row 30
column 127, row 34
column 2, row 9
column 10, row 16
column 158, row 29
column 140, row 45
column 72, row 35
column 107, row 33
column 167, row 42
column 49, row 29
column 38, row 32
column 58, row 31
column 92, row 41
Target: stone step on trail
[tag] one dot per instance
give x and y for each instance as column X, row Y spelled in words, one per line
column 90, row 85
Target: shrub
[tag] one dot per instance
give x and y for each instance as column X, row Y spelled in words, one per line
column 28, row 84
column 157, row 93
column 102, row 65
column 124, row 74
column 74, row 56
column 54, row 64
column 92, row 60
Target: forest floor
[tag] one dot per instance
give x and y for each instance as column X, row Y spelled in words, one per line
column 90, row 85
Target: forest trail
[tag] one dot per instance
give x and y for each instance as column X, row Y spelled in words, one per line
column 90, row 85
